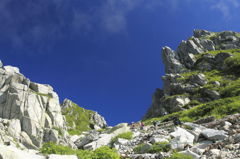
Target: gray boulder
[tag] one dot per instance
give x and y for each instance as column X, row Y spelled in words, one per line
column 199, row 79
column 212, row 94
column 98, row 120
column 175, row 103
column 214, row 135
column 171, row 61
column 105, row 139
column 181, row 138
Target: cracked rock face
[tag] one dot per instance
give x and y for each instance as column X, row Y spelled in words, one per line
column 30, row 106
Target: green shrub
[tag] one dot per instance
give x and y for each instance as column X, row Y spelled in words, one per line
column 105, row 153
column 155, row 148
column 180, row 156
column 231, row 89
column 218, row 108
column 100, row 153
column 138, row 148
column 51, row 148
column 160, row 147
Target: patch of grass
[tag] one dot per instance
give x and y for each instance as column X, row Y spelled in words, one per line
column 215, row 52
column 100, row 153
column 231, row 89
column 218, row 108
column 78, row 117
column 105, row 153
column 155, row 148
column 180, row 156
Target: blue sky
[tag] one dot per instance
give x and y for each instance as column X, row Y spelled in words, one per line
column 104, row 55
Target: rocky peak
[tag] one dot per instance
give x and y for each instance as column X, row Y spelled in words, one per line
column 189, row 69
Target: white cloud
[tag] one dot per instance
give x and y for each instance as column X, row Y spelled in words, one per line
column 225, row 7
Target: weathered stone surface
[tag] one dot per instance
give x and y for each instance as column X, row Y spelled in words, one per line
column 31, row 106
column 14, row 128
column 199, row 79
column 10, row 152
column 174, row 104
column 105, row 139
column 199, row 33
column 26, row 141
column 11, row 70
column 212, row 94
column 98, row 120
column 51, row 135
column 214, row 135
column 171, row 61
column 181, row 138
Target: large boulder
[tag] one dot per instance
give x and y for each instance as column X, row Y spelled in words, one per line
column 98, row 120
column 105, row 139
column 214, row 135
column 181, row 138
column 199, row 79
column 10, row 152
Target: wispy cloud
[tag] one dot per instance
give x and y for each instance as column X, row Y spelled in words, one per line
column 225, row 7
column 37, row 24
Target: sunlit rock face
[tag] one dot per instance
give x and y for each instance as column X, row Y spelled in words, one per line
column 187, row 67
column 31, row 107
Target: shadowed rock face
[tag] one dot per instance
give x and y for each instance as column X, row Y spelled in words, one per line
column 193, row 55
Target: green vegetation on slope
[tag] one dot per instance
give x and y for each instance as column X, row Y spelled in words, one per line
column 155, row 148
column 180, row 156
column 100, row 153
column 78, row 119
column 218, row 108
column 233, row 63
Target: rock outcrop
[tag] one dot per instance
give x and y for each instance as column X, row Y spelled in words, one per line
column 29, row 108
column 31, row 114
column 189, row 70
